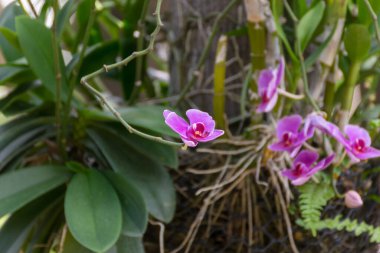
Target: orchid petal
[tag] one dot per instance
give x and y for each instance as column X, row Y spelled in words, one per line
column 291, row 174
column 355, row 132
column 368, row 154
column 306, row 157
column 189, row 143
column 288, row 124
column 280, row 72
column 176, row 123
column 321, row 165
column 196, row 116
column 301, row 180
column 217, row 133
column 263, row 83
column 268, row 106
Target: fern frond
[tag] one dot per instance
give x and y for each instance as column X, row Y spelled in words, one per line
column 351, row 226
column 312, row 199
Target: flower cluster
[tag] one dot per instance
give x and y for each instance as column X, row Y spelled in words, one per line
column 355, row 140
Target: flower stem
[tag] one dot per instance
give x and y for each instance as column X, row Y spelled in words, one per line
column 134, row 55
column 132, row 130
column 353, row 74
column 304, row 77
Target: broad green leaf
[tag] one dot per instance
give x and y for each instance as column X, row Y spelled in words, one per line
column 22, row 186
column 127, row 244
column 11, row 37
column 357, row 41
column 7, row 19
column 36, row 41
column 159, row 152
column 16, row 228
column 309, row 23
column 93, row 211
column 12, row 73
column 148, row 176
column 148, row 117
column 135, row 215
column 71, row 245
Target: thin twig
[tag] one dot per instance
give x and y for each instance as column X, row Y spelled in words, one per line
column 124, row 62
column 374, row 18
column 132, row 130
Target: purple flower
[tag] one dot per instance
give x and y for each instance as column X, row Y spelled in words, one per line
column 305, row 166
column 315, row 121
column 290, row 139
column 358, row 145
column 268, row 82
column 200, row 129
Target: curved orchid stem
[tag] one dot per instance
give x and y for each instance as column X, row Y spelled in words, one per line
column 106, row 68
column 132, row 130
column 290, row 95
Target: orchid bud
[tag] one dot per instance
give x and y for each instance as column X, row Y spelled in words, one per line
column 352, row 199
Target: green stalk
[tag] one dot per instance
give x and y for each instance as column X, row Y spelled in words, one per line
column 257, row 42
column 328, row 101
column 58, row 78
column 219, row 82
column 353, row 74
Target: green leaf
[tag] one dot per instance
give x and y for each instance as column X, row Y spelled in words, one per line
column 135, row 215
column 276, row 5
column 64, row 16
column 148, row 176
column 37, row 45
column 309, row 23
column 7, row 19
column 127, row 244
column 11, row 37
column 71, row 245
column 12, row 73
column 93, row 211
column 22, row 186
column 357, row 41
column 148, row 117
column 164, row 154
column 364, row 16
column 15, row 230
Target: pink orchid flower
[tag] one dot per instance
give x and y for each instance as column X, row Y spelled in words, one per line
column 305, row 166
column 268, row 82
column 289, row 136
column 358, row 145
column 315, row 121
column 200, row 129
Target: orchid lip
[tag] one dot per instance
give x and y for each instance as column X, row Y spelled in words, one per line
column 359, row 145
